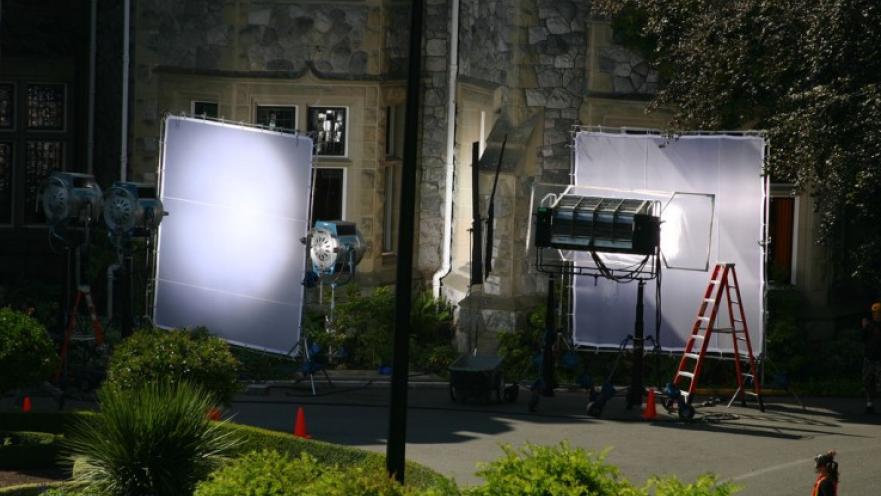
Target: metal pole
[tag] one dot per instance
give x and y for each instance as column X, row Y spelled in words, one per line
column 548, row 379
column 395, row 446
column 634, row 396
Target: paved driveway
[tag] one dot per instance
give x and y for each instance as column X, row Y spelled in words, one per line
column 767, row 453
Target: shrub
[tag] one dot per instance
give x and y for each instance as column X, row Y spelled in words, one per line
column 248, row 439
column 269, row 473
column 256, row 439
column 152, row 355
column 150, row 440
column 364, row 325
column 551, row 471
column 27, row 355
column 705, row 485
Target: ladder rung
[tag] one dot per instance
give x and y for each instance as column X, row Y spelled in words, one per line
column 709, row 300
column 724, row 330
column 686, row 374
column 746, row 374
column 693, row 355
column 715, row 281
column 703, row 318
column 697, row 336
column 752, row 393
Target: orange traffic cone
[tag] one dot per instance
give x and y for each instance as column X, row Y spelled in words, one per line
column 649, row 413
column 214, row 414
column 26, row 404
column 300, row 425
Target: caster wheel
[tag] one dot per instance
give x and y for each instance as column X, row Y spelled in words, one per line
column 686, row 412
column 594, row 409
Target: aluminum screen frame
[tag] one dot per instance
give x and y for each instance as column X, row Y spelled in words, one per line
column 728, row 166
column 229, row 255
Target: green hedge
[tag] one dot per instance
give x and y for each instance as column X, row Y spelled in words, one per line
column 23, row 449
column 270, row 473
column 252, row 439
column 256, row 439
column 29, row 489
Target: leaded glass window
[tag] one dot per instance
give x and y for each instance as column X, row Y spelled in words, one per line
column 5, row 183
column 44, row 107
column 7, row 106
column 41, row 158
column 329, row 127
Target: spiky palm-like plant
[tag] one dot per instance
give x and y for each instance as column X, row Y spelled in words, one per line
column 153, row 440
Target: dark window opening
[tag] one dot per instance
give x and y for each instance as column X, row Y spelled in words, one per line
column 205, row 109
column 276, row 117
column 780, row 228
column 327, row 194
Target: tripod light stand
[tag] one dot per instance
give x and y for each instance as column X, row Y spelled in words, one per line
column 569, row 222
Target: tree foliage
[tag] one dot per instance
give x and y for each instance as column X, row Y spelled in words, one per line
column 808, row 71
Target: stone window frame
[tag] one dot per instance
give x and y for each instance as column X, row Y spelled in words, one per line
column 345, row 186
column 195, row 101
column 272, row 103
column 346, row 133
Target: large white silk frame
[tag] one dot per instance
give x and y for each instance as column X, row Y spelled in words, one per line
column 725, row 167
column 229, row 254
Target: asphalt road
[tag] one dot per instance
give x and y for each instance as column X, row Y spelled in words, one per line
column 766, row 453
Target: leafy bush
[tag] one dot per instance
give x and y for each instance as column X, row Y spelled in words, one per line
column 153, row 440
column 562, row 471
column 39, row 488
column 364, row 325
column 153, row 355
column 27, row 355
column 705, row 485
column 269, row 473
column 550, row 471
column 248, row 439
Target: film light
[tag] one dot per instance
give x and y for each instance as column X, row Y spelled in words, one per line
column 587, row 223
column 71, row 197
column 132, row 208
column 335, row 247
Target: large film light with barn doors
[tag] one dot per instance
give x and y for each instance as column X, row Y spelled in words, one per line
column 713, row 196
column 230, row 255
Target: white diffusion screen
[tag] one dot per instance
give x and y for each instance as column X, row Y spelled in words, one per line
column 229, row 253
column 720, row 198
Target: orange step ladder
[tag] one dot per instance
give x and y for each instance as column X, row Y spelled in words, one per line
column 722, row 285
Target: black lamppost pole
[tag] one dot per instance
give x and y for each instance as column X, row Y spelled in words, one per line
column 395, row 446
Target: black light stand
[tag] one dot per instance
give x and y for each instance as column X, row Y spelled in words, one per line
column 597, row 225
column 634, row 394
column 548, row 379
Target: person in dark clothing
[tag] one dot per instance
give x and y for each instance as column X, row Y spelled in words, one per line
column 872, row 356
column 827, row 475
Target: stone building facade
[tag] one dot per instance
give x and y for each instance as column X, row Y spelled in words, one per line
column 529, row 69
